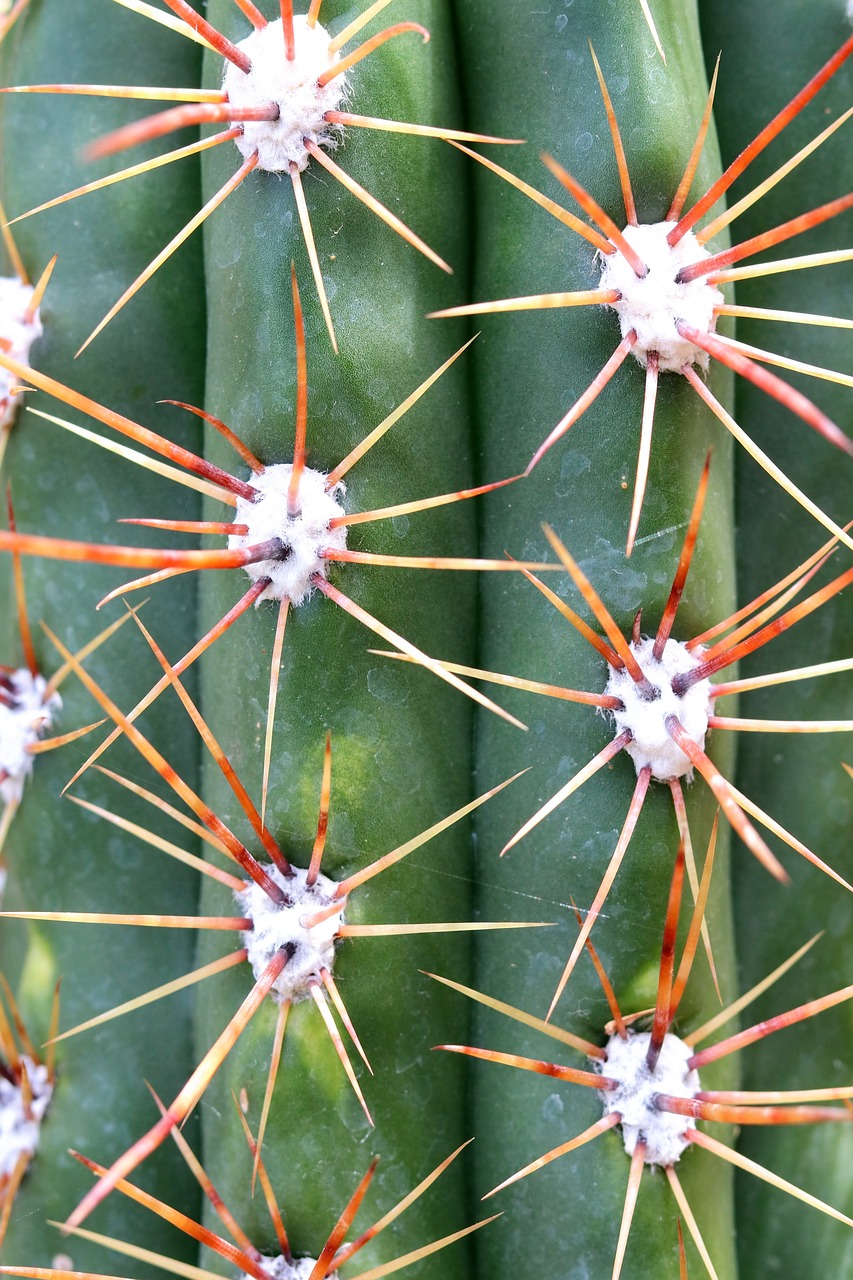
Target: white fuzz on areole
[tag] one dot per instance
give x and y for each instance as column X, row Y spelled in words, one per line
column 663, row 1133
column 651, row 305
column 17, row 335
column 293, row 86
column 21, row 725
column 277, row 926
column 303, row 537
column 645, row 719
column 280, row 1269
column 19, row 1128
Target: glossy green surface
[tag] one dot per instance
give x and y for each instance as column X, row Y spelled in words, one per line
column 797, row 778
column 60, row 857
column 531, row 74
column 401, row 741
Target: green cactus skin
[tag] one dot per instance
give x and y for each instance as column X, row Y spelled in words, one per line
column 533, row 75
column 60, row 857
column 775, row 1234
column 400, row 741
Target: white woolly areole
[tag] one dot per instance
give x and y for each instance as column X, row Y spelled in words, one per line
column 277, row 926
column 303, row 536
column 652, row 305
column 293, row 86
column 17, row 335
column 19, row 1131
column 280, row 1269
column 646, row 720
column 21, row 725
column 663, row 1133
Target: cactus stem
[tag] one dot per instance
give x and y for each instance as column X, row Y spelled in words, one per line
column 583, row 402
column 750, row 1035
column 267, row 840
column 189, row 1095
column 340, row 1049
column 390, row 219
column 391, row 637
column 156, row 993
column 705, row 1140
column 603, row 1125
column 617, row 243
column 133, row 171
column 640, row 789
column 364, row 50
column 194, row 223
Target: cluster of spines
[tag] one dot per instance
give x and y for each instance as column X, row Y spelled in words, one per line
column 616, row 656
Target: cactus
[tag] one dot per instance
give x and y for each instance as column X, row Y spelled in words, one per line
column 399, row 465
